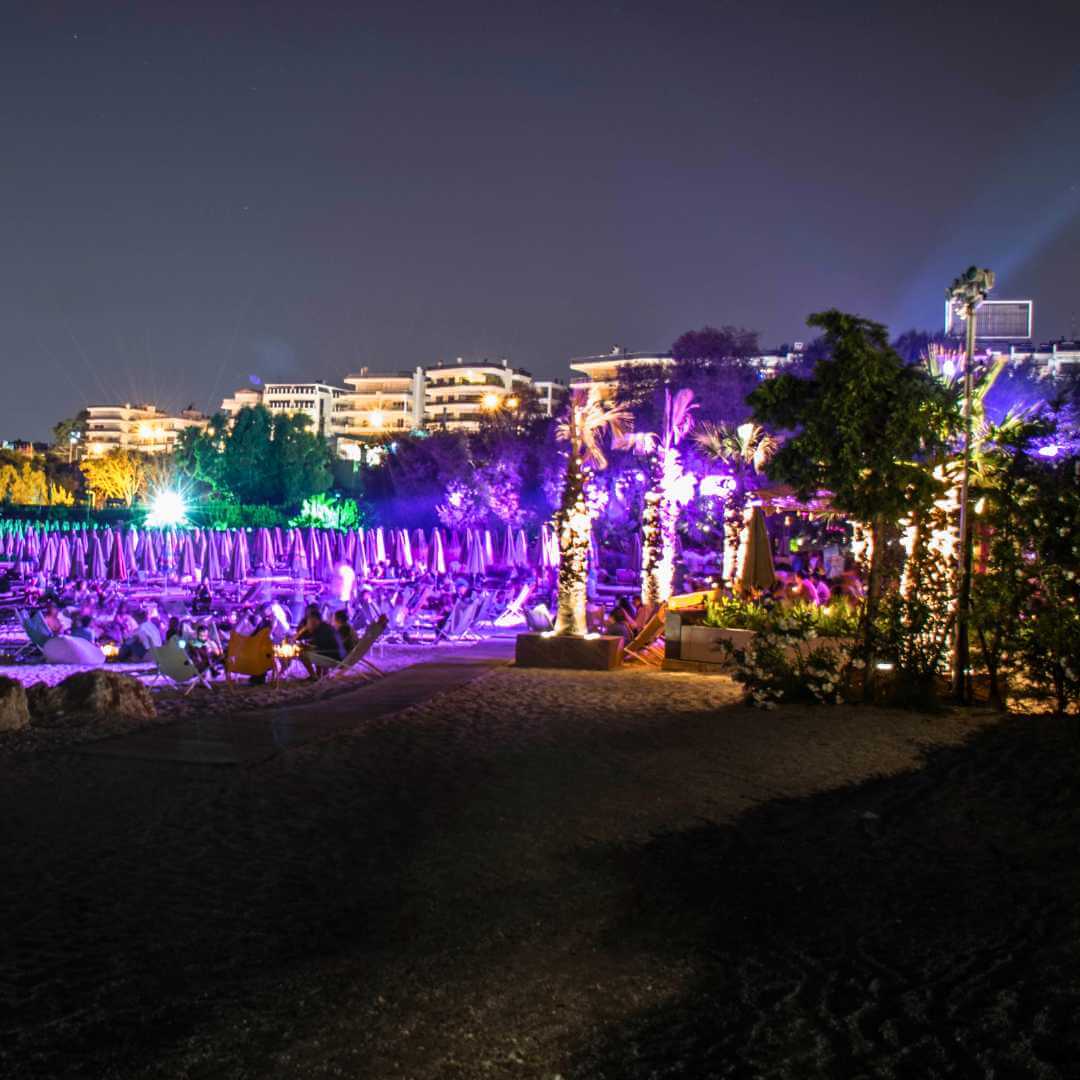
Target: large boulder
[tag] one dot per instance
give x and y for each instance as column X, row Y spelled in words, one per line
column 14, row 712
column 90, row 697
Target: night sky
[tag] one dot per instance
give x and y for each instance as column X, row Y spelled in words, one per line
column 192, row 195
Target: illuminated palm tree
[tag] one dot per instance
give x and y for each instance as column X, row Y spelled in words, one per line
column 588, row 423
column 664, row 496
column 745, row 450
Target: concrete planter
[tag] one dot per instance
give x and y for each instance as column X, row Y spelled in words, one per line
column 580, row 653
column 691, row 646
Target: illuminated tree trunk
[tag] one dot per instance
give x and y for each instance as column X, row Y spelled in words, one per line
column 573, row 523
column 652, row 537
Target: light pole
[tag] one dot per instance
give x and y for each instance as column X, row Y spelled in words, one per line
column 966, row 293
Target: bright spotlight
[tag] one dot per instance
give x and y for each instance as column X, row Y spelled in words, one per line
column 167, row 509
column 376, row 419
column 490, row 401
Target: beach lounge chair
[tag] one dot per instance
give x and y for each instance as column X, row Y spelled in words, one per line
column 538, row 619
column 175, row 666
column 356, row 655
column 249, row 654
column 37, row 634
column 514, row 612
column 647, row 645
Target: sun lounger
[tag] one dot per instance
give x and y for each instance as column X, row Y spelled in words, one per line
column 356, row 655
column 249, row 654
column 647, row 645
column 174, row 665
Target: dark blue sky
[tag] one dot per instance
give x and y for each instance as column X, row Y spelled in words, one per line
column 189, row 194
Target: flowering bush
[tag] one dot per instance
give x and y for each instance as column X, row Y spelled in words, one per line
column 328, row 512
column 782, row 665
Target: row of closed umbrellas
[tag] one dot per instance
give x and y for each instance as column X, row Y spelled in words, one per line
column 83, row 554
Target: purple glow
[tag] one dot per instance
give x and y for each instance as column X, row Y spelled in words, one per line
column 1050, row 451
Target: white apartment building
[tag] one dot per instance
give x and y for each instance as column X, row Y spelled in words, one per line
column 376, row 405
column 315, row 399
column 244, row 398
column 1053, row 358
column 144, row 428
column 459, row 396
column 601, row 373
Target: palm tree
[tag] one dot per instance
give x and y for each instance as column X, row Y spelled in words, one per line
column 746, row 450
column 663, row 498
column 588, row 421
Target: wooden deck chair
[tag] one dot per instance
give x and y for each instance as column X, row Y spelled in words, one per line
column 175, row 666
column 647, row 644
column 328, row 665
column 249, row 654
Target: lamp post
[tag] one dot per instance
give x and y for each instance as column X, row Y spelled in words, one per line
column 966, row 293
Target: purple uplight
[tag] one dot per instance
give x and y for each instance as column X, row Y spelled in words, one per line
column 1050, row 451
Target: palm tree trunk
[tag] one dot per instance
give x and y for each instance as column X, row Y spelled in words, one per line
column 573, row 524
column 653, row 541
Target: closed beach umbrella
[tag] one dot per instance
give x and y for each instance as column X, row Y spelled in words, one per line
column 521, row 549
column 147, row 558
column 239, row 563
column 63, row 559
column 437, row 557
column 506, row 548
column 263, row 556
column 117, row 569
column 359, row 557
column 419, row 547
column 474, row 562
column 78, row 558
column 187, row 557
column 97, row 558
column 211, row 564
column 757, row 570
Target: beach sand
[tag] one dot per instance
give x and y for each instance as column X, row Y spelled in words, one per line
column 610, row 875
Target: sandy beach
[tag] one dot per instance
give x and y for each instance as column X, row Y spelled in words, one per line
column 548, row 874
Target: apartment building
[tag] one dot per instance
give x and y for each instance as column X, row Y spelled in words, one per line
column 600, row 374
column 375, row 405
column 143, row 428
column 458, row 397
column 317, row 400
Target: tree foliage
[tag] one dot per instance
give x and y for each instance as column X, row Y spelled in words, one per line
column 118, row 474
column 259, row 458
column 860, row 427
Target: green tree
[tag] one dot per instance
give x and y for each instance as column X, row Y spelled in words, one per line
column 301, row 460
column 198, row 453
column 861, row 425
column 249, row 469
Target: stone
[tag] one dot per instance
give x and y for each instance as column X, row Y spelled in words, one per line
column 14, row 712
column 41, row 699
column 88, row 697
column 581, row 653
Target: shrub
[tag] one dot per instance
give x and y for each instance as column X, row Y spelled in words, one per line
column 783, row 665
column 329, row 512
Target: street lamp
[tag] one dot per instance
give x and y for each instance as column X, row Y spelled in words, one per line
column 965, row 294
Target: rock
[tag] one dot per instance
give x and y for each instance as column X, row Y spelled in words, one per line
column 41, row 699
column 14, row 712
column 90, row 697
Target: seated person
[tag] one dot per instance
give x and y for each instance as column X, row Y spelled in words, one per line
column 346, row 634
column 618, row 625
column 84, row 628
column 147, row 635
column 318, row 637
column 204, row 651
column 203, row 599
column 54, row 620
